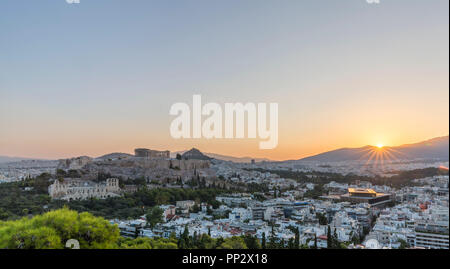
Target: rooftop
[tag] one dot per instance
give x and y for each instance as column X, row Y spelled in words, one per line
column 361, row 190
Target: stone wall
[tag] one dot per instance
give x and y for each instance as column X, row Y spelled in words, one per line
column 75, row 189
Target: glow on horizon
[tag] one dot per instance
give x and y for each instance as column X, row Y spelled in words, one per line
column 100, row 76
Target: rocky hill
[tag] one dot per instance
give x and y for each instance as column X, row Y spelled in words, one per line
column 194, row 154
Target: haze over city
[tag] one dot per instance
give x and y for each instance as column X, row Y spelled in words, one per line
column 344, row 73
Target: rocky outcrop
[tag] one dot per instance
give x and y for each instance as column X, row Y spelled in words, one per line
column 74, row 163
column 194, row 154
column 131, row 167
column 147, row 168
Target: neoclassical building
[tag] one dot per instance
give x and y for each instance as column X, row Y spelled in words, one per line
column 76, row 189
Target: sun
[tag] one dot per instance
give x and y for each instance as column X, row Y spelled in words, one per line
column 379, row 145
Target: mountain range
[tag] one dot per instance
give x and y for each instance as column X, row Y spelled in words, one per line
column 7, row 159
column 436, row 148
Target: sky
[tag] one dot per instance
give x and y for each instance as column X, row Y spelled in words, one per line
column 100, row 76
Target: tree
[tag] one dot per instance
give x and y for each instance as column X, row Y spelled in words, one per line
column 61, row 173
column 329, row 239
column 297, row 238
column 403, row 244
column 154, row 216
column 183, row 242
column 272, row 239
column 291, row 244
column 178, row 156
column 354, row 238
column 147, row 243
column 194, row 239
column 219, row 242
column 53, row 229
column 195, row 209
column 263, row 241
column 251, row 242
column 3, row 214
column 336, row 243
column 234, row 242
column 41, row 183
column 322, row 218
column 206, row 242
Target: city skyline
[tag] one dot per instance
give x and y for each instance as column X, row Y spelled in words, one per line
column 100, row 77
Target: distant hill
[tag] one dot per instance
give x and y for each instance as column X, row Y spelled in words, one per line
column 226, row 157
column 194, row 154
column 236, row 159
column 114, row 155
column 7, row 159
column 436, row 148
column 28, row 163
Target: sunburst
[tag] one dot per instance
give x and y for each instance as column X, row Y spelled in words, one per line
column 378, row 155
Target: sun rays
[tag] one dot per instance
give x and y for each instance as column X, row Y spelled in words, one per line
column 377, row 156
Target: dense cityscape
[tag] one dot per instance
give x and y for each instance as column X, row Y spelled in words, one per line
column 188, row 196
column 235, row 132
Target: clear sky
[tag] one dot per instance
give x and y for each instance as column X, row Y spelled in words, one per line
column 100, row 76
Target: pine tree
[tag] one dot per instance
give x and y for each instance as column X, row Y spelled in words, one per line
column 335, row 239
column 329, row 239
column 183, row 242
column 263, row 241
column 272, row 239
column 194, row 239
column 251, row 242
column 297, row 239
column 291, row 244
